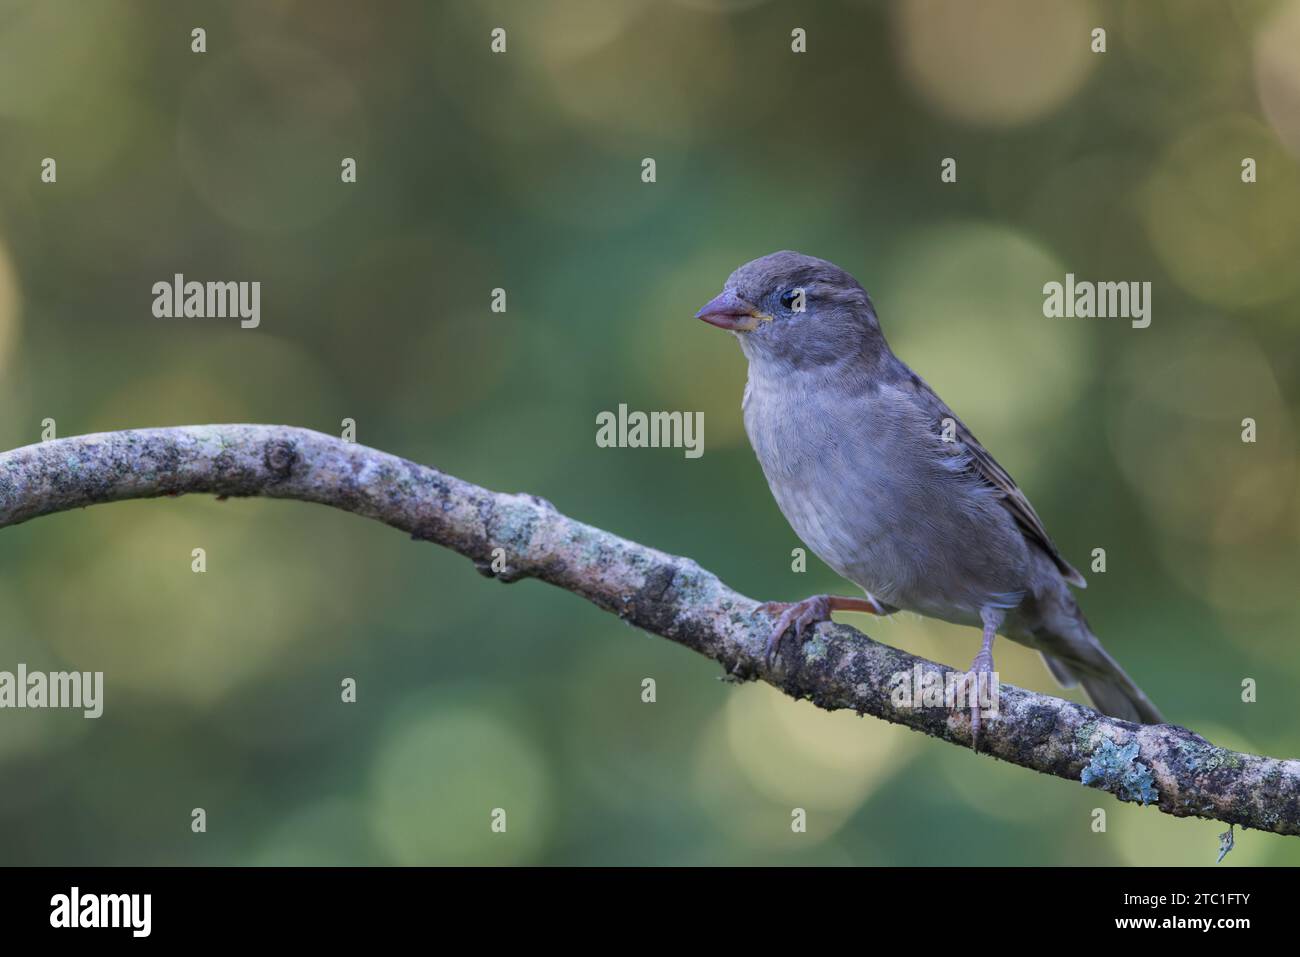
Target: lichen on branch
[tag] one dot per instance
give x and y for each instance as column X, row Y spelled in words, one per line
column 514, row 536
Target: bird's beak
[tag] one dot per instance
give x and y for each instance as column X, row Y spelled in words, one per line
column 729, row 311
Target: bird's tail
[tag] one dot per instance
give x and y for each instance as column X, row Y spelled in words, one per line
column 1109, row 688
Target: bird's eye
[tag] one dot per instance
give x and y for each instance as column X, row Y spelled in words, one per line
column 789, row 297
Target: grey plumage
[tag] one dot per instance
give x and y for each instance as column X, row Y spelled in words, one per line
column 887, row 485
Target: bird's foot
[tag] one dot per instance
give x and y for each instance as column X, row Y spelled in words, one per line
column 808, row 614
column 981, row 682
column 971, row 687
column 801, row 614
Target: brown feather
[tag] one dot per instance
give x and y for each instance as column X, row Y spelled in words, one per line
column 994, row 475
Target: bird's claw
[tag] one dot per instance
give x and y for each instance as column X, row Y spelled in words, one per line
column 801, row 614
column 969, row 691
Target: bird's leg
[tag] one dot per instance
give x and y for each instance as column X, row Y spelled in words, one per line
column 807, row 613
column 982, row 665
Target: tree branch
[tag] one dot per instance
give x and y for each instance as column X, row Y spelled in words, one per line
column 664, row 594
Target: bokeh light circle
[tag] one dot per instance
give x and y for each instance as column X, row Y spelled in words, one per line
column 264, row 132
column 1277, row 72
column 999, row 63
column 1228, row 242
column 441, row 771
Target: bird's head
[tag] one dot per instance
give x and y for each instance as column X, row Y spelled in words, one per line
column 795, row 310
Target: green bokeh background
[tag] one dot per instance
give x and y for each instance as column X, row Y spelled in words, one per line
column 522, row 171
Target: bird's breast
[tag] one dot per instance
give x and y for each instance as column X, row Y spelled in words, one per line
column 830, row 465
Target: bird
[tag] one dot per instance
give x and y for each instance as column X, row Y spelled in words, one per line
column 883, row 482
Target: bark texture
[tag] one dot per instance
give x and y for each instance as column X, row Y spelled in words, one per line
column 1170, row 767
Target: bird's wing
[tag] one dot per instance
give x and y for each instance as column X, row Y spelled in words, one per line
column 1016, row 502
column 986, row 468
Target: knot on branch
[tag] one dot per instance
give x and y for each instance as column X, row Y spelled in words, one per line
column 280, row 456
column 497, row 568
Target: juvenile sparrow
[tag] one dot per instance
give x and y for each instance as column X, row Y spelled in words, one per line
column 883, row 481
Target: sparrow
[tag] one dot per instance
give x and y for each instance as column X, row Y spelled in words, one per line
column 889, row 487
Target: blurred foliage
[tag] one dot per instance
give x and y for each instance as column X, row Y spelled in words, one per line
column 523, row 171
